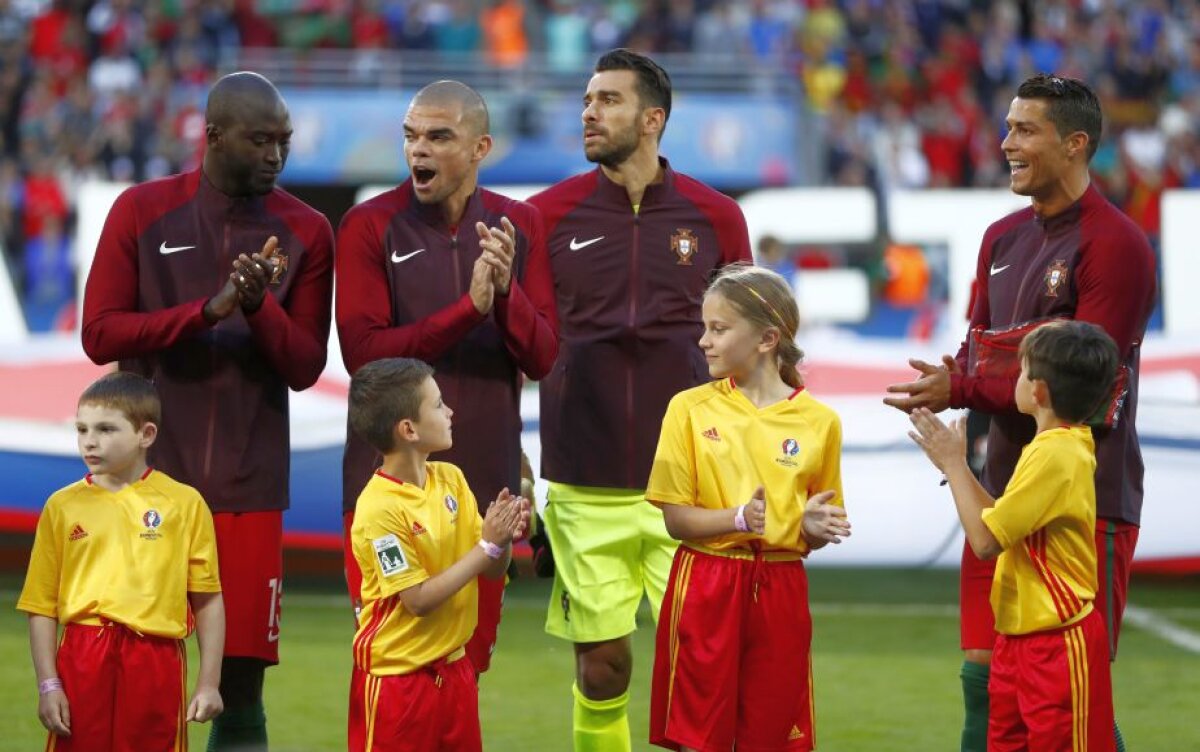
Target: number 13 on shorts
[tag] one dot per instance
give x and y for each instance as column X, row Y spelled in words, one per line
column 275, row 585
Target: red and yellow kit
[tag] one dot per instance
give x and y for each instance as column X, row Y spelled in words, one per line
column 716, row 447
column 403, row 535
column 129, row 557
column 1045, row 521
column 1089, row 262
column 116, row 568
column 1050, row 686
column 735, row 618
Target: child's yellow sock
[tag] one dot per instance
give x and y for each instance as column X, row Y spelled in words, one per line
column 601, row 725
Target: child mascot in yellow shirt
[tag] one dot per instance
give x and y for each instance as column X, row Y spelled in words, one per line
column 1050, row 686
column 118, row 558
column 420, row 543
column 748, row 475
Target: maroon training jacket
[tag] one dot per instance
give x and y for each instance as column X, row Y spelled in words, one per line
column 1089, row 263
column 167, row 247
column 629, row 291
column 403, row 278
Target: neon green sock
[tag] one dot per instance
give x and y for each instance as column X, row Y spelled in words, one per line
column 241, row 729
column 975, row 701
column 601, row 725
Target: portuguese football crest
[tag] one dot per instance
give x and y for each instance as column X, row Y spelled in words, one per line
column 1056, row 275
column 686, row 245
column 279, row 267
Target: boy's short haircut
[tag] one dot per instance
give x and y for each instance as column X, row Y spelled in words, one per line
column 1077, row 360
column 133, row 395
column 383, row 393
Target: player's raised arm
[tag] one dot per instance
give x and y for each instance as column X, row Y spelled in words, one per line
column 364, row 313
column 114, row 326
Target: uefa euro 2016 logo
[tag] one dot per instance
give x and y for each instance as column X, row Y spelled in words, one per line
column 151, row 520
column 790, row 448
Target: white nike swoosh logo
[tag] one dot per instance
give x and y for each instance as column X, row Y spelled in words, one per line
column 575, row 246
column 396, row 258
column 997, row 269
column 165, row 249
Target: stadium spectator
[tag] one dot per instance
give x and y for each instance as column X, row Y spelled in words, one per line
column 504, row 40
column 772, row 253
column 566, row 34
column 460, row 32
column 935, row 64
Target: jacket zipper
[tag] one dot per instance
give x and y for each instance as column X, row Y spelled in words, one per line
column 458, row 293
column 633, row 293
column 1012, row 319
column 212, row 405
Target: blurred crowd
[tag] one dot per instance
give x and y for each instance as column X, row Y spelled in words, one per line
column 906, row 93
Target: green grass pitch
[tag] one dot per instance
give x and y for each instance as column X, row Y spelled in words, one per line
column 885, row 652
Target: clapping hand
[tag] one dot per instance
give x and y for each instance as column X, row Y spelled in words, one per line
column 252, row 275
column 823, row 521
column 499, row 246
column 755, row 512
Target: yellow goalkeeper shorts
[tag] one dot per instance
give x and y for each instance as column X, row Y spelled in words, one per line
column 610, row 546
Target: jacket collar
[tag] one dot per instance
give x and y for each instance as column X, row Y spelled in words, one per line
column 431, row 214
column 214, row 200
column 1068, row 217
column 655, row 192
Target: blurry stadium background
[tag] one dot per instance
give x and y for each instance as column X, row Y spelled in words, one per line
column 861, row 138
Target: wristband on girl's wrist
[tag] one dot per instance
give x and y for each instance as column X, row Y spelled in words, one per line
column 739, row 520
column 46, row 686
column 491, row 549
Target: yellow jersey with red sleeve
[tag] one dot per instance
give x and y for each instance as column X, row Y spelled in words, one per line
column 402, row 535
column 1045, row 522
column 129, row 556
column 717, row 447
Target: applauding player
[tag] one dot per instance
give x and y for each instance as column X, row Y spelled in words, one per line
column 216, row 285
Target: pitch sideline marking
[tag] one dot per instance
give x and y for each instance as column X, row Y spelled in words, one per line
column 1151, row 621
column 1163, row 628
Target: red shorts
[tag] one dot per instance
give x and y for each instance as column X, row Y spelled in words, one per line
column 126, row 692
column 1051, row 691
column 350, row 566
column 977, row 623
column 731, row 660
column 491, row 600
column 436, row 707
column 250, row 554
column 483, row 640
column 1115, row 542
